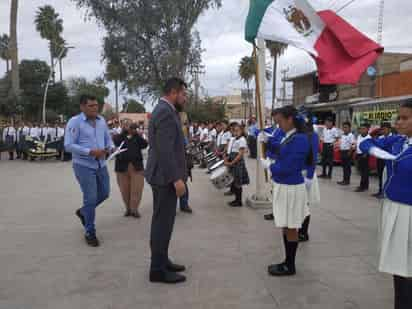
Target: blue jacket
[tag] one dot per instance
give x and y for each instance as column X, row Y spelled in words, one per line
column 315, row 151
column 398, row 187
column 291, row 161
column 273, row 144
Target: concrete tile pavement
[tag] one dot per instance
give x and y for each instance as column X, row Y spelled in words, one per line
column 45, row 264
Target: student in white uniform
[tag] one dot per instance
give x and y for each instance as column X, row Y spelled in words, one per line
column 330, row 136
column 363, row 158
column 227, row 153
column 43, row 133
column 22, row 132
column 237, row 166
column 289, row 190
column 34, row 132
column 347, row 146
column 10, row 139
column 395, row 246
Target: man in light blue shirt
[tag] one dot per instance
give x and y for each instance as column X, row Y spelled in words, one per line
column 87, row 138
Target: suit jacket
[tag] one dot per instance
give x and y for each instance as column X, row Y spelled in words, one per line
column 166, row 162
column 133, row 154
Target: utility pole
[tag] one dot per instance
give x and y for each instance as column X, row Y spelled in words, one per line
column 195, row 72
column 284, row 72
column 380, row 67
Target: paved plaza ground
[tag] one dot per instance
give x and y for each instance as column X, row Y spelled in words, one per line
column 45, row 264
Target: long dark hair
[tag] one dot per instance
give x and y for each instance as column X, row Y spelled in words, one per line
column 290, row 111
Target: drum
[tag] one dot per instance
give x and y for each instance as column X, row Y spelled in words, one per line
column 209, row 155
column 221, row 178
column 216, row 165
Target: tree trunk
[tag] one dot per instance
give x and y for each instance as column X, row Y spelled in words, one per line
column 15, row 79
column 61, row 69
column 116, row 86
column 52, row 67
column 275, row 67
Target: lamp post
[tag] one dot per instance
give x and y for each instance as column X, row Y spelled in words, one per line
column 65, row 48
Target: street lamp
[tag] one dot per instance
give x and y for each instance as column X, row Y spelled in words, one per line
column 65, row 48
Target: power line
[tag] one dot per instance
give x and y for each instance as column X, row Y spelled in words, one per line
column 345, row 5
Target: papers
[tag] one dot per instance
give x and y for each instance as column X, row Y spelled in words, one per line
column 118, row 151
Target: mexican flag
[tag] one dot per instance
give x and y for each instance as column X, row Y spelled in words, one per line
column 341, row 52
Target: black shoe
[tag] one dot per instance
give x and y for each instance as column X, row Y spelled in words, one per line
column 92, row 240
column 187, row 210
column 343, row 183
column 81, row 217
column 269, row 217
column 303, row 237
column 235, row 204
column 228, row 193
column 127, row 213
column 135, row 214
column 280, row 270
column 175, row 268
column 166, row 277
column 378, row 195
column 359, row 190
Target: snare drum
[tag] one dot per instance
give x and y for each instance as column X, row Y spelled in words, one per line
column 221, row 178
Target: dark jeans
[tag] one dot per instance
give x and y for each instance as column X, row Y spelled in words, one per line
column 380, row 168
column 403, row 292
column 252, row 144
column 346, row 164
column 363, row 165
column 327, row 159
column 95, row 185
column 163, row 220
column 184, row 200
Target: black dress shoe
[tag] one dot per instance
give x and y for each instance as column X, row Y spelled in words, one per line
column 359, row 190
column 269, row 217
column 228, row 193
column 187, row 210
column 175, row 268
column 235, row 204
column 92, row 240
column 80, row 216
column 343, row 183
column 303, row 237
column 280, row 270
column 135, row 214
column 166, row 277
column 378, row 195
column 127, row 213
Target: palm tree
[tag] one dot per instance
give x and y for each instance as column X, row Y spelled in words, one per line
column 4, row 50
column 59, row 51
column 276, row 49
column 247, row 71
column 50, row 26
column 115, row 73
column 15, row 79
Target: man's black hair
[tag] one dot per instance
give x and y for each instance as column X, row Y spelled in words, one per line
column 84, row 98
column 174, row 83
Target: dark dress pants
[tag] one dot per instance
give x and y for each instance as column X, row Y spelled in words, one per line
column 363, row 163
column 164, row 214
column 252, row 144
column 380, row 168
column 346, row 165
column 327, row 159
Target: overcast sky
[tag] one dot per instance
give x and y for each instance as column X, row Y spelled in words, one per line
column 221, row 32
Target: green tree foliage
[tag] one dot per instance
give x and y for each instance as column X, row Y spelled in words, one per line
column 207, row 110
column 79, row 86
column 133, row 106
column 4, row 50
column 276, row 49
column 153, row 38
column 50, row 26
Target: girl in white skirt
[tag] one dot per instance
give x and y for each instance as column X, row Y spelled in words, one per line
column 289, row 191
column 396, row 222
column 311, row 180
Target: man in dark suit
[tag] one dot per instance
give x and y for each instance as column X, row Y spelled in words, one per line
column 166, row 173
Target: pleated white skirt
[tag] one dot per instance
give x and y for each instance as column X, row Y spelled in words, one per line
column 396, row 239
column 289, row 205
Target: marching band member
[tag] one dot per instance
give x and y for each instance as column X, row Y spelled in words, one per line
column 347, row 145
column 22, row 132
column 363, row 159
column 311, row 180
column 289, row 191
column 396, row 220
column 34, row 132
column 330, row 136
column 236, row 163
column 226, row 153
column 10, row 138
column 43, row 133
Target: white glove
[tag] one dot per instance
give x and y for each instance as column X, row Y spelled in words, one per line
column 381, row 154
column 308, row 183
column 266, row 163
column 262, row 138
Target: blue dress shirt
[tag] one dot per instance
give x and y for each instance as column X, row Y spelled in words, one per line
column 81, row 137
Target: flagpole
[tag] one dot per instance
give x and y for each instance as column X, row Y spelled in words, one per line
column 261, row 198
